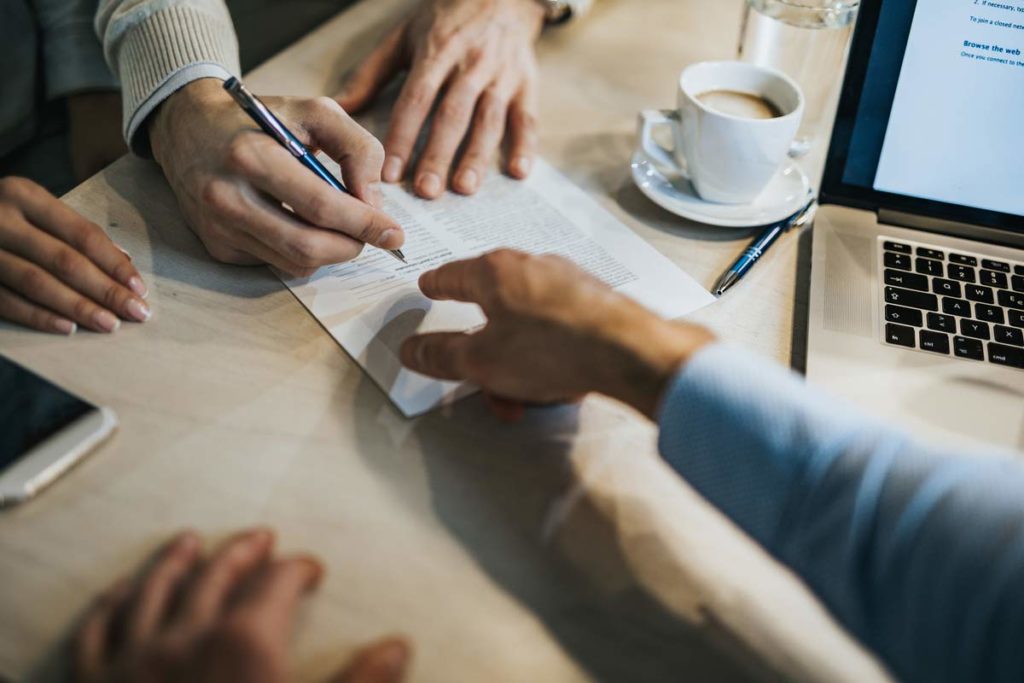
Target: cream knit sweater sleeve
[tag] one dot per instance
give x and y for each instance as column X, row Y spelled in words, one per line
column 155, row 47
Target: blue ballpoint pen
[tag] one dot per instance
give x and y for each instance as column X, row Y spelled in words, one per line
column 273, row 127
column 756, row 250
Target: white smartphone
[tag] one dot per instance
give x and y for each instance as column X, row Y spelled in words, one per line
column 44, row 430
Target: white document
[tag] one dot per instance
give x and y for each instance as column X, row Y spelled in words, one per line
column 371, row 305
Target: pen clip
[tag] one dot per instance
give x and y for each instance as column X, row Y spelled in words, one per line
column 259, row 111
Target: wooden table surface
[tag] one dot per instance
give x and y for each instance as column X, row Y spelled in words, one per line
column 559, row 549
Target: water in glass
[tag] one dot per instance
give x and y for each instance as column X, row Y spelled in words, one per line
column 807, row 39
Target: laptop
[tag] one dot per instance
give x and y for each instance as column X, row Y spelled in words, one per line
column 917, row 267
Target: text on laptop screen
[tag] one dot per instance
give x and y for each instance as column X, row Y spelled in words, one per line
column 941, row 115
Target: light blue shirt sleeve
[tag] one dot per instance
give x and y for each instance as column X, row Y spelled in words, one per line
column 917, row 550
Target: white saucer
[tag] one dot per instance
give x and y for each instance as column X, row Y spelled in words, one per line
column 787, row 193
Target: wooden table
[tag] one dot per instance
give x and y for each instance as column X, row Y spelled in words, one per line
column 560, row 549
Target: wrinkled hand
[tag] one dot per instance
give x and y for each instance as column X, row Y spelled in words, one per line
column 228, row 617
column 553, row 333
column 232, row 180
column 475, row 60
column 59, row 270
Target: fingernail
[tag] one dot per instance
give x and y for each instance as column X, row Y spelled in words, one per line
column 468, row 180
column 106, row 321
column 429, row 184
column 389, row 240
column 136, row 284
column 521, row 166
column 392, row 169
column 186, row 541
column 138, row 310
column 261, row 534
column 64, row 326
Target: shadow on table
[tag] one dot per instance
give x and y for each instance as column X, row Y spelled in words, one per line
column 182, row 256
column 508, row 494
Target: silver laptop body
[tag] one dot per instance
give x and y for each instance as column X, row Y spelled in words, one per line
column 914, row 301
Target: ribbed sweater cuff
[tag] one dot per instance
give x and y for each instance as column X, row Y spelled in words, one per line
column 168, row 44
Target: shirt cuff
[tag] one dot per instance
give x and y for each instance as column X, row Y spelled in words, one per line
column 74, row 61
column 165, row 51
column 750, row 436
column 135, row 131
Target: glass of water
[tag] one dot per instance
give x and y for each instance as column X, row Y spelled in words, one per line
column 808, row 40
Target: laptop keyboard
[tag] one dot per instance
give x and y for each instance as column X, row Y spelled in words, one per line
column 952, row 303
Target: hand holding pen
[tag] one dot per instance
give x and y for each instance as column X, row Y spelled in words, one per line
column 245, row 197
column 273, row 127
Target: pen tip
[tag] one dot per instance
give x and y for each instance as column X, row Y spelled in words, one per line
column 399, row 255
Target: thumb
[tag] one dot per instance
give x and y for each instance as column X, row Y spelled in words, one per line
column 382, row 662
column 370, row 76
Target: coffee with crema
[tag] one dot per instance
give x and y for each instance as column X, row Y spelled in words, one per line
column 742, row 104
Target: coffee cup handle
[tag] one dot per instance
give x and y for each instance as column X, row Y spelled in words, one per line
column 648, row 121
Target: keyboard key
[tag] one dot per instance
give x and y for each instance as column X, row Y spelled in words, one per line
column 979, row 293
column 1008, row 335
column 1016, row 318
column 995, row 265
column 935, row 342
column 900, row 278
column 955, row 306
column 900, row 335
column 1005, row 355
column 963, row 260
column 1017, row 282
column 975, row 328
column 992, row 314
column 904, row 315
column 1011, row 299
column 930, row 253
column 907, row 297
column 994, row 279
column 946, row 287
column 942, row 323
column 929, row 267
column 968, row 348
column 897, row 246
column 961, row 273
column 1018, row 270
column 894, row 260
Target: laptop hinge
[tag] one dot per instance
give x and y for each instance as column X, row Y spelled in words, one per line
column 954, row 228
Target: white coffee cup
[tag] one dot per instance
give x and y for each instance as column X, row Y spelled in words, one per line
column 728, row 159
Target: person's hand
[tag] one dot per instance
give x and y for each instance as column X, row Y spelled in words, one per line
column 553, row 333
column 59, row 270
column 475, row 60
column 232, row 180
column 228, row 617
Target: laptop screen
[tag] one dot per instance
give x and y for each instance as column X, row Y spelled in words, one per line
column 931, row 119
